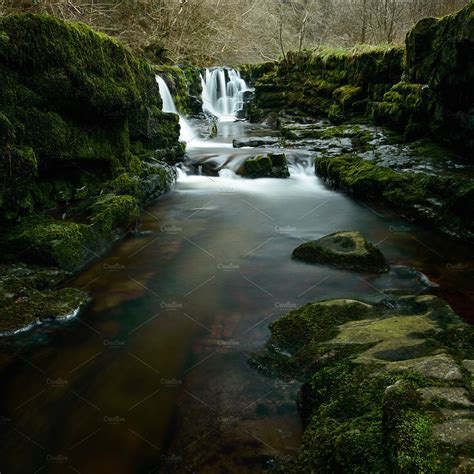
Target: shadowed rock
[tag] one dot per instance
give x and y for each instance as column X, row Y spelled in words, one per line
column 274, row 165
column 344, row 250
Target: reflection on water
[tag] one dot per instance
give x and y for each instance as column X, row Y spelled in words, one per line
column 154, row 374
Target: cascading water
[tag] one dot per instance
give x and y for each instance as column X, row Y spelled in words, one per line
column 187, row 133
column 223, row 93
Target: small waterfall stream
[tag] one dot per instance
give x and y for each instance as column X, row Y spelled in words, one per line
column 187, row 132
column 222, row 93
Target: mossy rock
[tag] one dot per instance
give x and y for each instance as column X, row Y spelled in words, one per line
column 440, row 201
column 113, row 212
column 45, row 241
column 77, row 101
column 29, row 295
column 274, row 165
column 360, row 415
column 344, row 250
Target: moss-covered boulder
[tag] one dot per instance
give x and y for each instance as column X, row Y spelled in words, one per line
column 344, row 250
column 375, row 396
column 29, row 295
column 73, row 104
column 274, row 165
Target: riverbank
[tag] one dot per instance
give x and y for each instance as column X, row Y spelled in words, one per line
column 83, row 144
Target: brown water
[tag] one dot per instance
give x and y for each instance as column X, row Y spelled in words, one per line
column 153, row 375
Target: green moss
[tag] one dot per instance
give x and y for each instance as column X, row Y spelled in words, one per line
column 115, row 212
column 329, row 82
column 18, row 170
column 359, row 414
column 45, row 241
column 414, row 194
column 135, row 166
column 347, row 95
column 258, row 167
column 31, row 294
column 73, row 95
column 126, row 184
column 406, row 107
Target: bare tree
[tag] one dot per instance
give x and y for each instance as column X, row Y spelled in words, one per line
column 238, row 31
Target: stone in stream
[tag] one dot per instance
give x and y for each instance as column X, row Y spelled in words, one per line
column 30, row 294
column 274, row 165
column 255, row 142
column 344, row 250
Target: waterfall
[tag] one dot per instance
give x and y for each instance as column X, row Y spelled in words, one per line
column 222, row 93
column 187, row 133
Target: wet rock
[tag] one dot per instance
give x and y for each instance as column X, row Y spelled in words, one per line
column 455, row 432
column 440, row 367
column 344, row 250
column 29, row 295
column 454, row 397
column 255, row 142
column 359, row 408
column 274, row 165
column 469, row 366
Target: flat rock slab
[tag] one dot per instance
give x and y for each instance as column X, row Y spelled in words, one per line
column 455, row 432
column 439, row 367
column 344, row 250
column 453, row 396
column 469, row 366
column 256, row 142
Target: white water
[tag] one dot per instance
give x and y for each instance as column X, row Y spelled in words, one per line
column 187, row 133
column 222, row 93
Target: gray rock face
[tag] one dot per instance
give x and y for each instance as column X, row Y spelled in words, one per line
column 255, row 142
column 451, row 396
column 439, row 367
column 469, row 365
column 455, row 432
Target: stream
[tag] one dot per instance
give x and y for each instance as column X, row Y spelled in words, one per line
column 153, row 376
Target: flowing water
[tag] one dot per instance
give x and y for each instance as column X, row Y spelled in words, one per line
column 153, row 376
column 223, row 92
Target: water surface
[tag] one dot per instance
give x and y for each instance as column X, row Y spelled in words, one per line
column 153, row 375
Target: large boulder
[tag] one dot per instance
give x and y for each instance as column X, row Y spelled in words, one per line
column 75, row 105
column 344, row 250
column 383, row 389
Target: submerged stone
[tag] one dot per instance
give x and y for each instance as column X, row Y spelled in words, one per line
column 30, row 295
column 343, row 250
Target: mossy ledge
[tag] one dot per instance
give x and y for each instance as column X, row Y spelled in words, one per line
column 422, row 89
column 83, row 142
column 443, row 202
column 386, row 387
